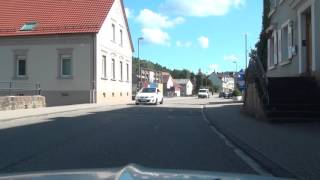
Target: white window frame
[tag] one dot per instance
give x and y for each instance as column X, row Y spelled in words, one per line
column 113, row 68
column 121, row 37
column 62, row 58
column 104, row 67
column 113, row 32
column 287, row 25
column 121, row 70
column 272, row 57
column 128, row 72
column 21, row 58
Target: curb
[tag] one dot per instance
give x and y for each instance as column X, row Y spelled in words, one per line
column 268, row 164
column 52, row 113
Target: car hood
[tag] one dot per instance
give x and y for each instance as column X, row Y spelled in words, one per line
column 133, row 172
column 146, row 94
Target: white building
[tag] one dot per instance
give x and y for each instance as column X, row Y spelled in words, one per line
column 228, row 83
column 186, row 86
column 80, row 52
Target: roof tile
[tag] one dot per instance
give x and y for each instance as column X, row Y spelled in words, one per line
column 53, row 16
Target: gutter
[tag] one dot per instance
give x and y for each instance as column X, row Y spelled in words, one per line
column 93, row 88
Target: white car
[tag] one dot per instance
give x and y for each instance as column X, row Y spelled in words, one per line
column 149, row 96
column 203, row 93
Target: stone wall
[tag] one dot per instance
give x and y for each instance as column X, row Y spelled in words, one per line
column 253, row 104
column 21, row 102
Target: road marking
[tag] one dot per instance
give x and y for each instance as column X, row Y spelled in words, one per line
column 246, row 158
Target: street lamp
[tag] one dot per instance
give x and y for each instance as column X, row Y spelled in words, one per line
column 140, row 83
column 235, row 62
column 246, row 49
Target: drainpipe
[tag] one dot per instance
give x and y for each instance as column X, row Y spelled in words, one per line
column 93, row 88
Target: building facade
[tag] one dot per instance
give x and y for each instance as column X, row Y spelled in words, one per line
column 294, row 38
column 75, row 58
column 186, row 87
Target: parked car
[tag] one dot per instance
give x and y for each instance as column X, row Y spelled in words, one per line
column 221, row 94
column 203, row 93
column 149, row 96
column 228, row 95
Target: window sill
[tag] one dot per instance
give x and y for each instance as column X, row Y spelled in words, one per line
column 270, row 68
column 113, row 80
column 65, row 77
column 286, row 62
column 20, row 78
column 104, row 78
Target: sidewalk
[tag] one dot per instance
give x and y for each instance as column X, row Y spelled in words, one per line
column 292, row 148
column 26, row 113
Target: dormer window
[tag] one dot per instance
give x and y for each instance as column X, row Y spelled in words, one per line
column 30, row 26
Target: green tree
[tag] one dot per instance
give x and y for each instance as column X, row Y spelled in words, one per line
column 262, row 44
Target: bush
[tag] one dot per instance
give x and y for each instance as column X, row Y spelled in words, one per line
column 237, row 93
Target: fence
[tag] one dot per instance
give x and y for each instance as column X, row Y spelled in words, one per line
column 11, row 88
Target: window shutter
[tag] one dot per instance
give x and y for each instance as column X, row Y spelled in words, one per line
column 279, row 45
column 275, row 48
column 290, row 42
column 269, row 53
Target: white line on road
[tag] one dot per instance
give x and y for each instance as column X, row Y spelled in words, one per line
column 247, row 159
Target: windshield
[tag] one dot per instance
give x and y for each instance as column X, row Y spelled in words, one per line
column 148, row 90
column 204, row 85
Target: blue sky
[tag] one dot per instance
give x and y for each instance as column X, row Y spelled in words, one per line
column 193, row 34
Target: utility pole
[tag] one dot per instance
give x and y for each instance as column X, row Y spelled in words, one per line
column 140, row 78
column 246, row 49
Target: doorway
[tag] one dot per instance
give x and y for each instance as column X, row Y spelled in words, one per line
column 306, row 37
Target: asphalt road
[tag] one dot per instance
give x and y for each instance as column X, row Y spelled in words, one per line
column 175, row 135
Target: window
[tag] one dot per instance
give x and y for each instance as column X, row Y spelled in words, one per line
column 21, row 66
column 104, row 67
column 28, row 26
column 66, row 65
column 121, row 71
column 128, row 72
column 273, row 5
column 286, row 42
column 113, row 69
column 121, row 37
column 113, row 33
column 272, row 50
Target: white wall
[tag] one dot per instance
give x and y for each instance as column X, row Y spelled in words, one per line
column 113, row 49
column 170, row 82
column 189, row 88
column 42, row 61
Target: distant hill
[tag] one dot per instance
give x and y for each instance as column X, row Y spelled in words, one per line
column 176, row 73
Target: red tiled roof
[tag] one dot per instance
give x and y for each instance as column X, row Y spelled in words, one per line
column 53, row 16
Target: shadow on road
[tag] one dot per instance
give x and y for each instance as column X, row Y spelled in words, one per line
column 155, row 137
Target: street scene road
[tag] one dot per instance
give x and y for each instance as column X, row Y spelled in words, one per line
column 170, row 136
column 184, row 133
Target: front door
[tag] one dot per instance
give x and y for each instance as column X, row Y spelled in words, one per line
column 308, row 43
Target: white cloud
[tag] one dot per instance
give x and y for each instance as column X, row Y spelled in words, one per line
column 201, row 8
column 182, row 44
column 204, row 42
column 129, row 13
column 150, row 19
column 214, row 67
column 231, row 58
column 156, row 36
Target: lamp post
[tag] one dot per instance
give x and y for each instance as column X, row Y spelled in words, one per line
column 140, row 83
column 235, row 62
column 246, row 49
